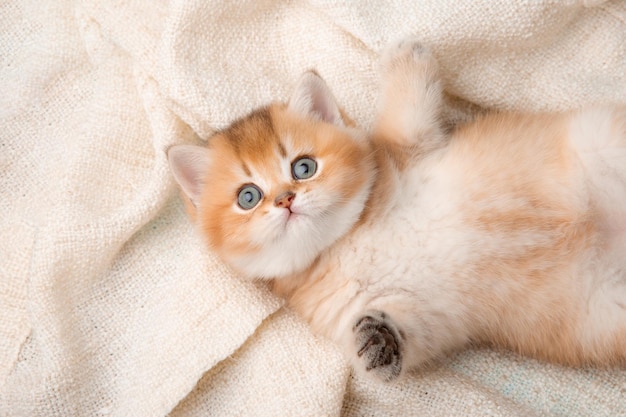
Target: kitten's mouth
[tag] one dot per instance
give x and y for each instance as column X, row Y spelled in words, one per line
column 291, row 216
column 291, row 211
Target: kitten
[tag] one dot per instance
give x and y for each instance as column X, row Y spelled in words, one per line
column 408, row 243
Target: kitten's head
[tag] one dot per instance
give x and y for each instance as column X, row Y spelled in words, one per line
column 277, row 187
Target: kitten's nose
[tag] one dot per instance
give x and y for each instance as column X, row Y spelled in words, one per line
column 285, row 199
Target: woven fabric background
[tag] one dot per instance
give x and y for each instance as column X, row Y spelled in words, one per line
column 109, row 302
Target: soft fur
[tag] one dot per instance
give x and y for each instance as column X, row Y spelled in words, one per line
column 408, row 242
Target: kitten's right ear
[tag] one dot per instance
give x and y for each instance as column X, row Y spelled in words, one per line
column 189, row 165
column 312, row 98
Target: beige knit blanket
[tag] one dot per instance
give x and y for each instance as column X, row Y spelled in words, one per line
column 109, row 302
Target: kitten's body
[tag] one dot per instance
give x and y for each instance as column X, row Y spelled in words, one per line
column 479, row 251
column 511, row 231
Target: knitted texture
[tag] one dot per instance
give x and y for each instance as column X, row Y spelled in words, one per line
column 110, row 303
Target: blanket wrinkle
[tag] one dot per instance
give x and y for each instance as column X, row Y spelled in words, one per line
column 110, row 302
column 15, row 326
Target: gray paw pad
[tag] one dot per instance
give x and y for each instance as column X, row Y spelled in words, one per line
column 378, row 345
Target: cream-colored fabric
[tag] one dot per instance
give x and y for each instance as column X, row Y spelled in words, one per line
column 109, row 302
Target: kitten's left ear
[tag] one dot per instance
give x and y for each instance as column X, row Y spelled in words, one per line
column 312, row 98
column 189, row 165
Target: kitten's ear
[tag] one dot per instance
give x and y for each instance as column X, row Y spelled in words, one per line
column 189, row 165
column 312, row 98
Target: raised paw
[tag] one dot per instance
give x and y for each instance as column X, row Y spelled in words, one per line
column 408, row 55
column 411, row 96
column 378, row 345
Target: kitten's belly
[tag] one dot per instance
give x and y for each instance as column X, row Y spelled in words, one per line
column 467, row 255
column 418, row 244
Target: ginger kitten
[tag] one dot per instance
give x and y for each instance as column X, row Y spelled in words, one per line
column 406, row 243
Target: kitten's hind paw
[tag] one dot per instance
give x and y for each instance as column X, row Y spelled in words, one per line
column 411, row 96
column 378, row 345
column 410, row 56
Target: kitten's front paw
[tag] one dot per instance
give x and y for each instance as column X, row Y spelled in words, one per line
column 378, row 345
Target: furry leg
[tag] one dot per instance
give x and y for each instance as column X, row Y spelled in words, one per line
column 411, row 97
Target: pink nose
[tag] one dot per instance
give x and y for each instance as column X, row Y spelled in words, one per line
column 285, row 199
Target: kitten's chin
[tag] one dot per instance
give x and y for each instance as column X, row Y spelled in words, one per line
column 305, row 237
column 260, row 267
column 293, row 252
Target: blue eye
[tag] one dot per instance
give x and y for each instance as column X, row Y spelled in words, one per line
column 303, row 168
column 249, row 196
